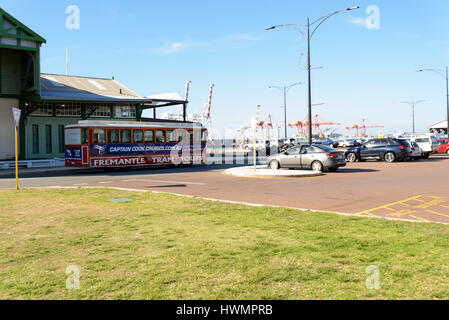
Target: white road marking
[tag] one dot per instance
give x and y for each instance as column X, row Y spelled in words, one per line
column 105, row 182
column 80, row 184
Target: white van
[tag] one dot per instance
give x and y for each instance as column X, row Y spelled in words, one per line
column 427, row 143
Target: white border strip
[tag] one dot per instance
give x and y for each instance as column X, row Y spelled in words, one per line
column 245, row 203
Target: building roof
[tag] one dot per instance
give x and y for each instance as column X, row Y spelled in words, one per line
column 74, row 88
column 56, row 87
column 439, row 125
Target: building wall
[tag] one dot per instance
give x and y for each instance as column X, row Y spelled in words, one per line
column 48, row 146
column 7, row 151
column 11, row 70
column 42, row 124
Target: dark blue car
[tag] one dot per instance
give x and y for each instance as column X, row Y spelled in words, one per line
column 387, row 149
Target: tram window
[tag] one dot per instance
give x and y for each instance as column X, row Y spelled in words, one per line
column 171, row 136
column 138, row 136
column 99, row 136
column 196, row 136
column 181, row 135
column 149, row 136
column 113, row 136
column 204, row 135
column 160, row 137
column 84, row 136
column 126, row 136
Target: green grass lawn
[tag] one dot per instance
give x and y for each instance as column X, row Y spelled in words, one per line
column 169, row 247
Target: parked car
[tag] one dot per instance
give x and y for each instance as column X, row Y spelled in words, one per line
column 427, row 143
column 415, row 150
column 345, row 143
column 315, row 157
column 326, row 142
column 443, row 146
column 249, row 147
column 387, row 149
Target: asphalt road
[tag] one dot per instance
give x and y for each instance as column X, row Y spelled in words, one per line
column 415, row 190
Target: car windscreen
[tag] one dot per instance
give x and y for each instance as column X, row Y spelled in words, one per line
column 401, row 142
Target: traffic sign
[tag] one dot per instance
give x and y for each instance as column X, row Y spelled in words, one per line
column 16, row 114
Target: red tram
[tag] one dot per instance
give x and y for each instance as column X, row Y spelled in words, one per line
column 105, row 144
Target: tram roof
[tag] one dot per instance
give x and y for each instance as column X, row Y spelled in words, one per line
column 135, row 124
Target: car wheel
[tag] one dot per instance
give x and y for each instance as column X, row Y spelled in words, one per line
column 447, row 151
column 317, row 166
column 426, row 156
column 390, row 157
column 274, row 165
column 351, row 157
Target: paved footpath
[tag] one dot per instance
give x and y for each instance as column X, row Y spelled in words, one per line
column 416, row 191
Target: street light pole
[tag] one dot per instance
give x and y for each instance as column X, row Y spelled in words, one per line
column 413, row 104
column 445, row 75
column 309, row 75
column 285, row 89
column 285, row 112
column 309, row 37
column 447, row 99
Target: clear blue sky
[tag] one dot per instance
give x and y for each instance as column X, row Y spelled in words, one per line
column 155, row 46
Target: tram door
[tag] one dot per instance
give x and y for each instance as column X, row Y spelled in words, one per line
column 84, row 146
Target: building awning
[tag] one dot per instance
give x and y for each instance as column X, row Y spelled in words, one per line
column 439, row 125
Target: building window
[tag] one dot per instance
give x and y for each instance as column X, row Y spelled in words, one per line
column 35, row 130
column 48, row 139
column 61, row 139
column 45, row 109
column 68, row 110
column 102, row 111
column 125, row 112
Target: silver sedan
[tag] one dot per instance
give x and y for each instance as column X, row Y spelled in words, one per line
column 315, row 157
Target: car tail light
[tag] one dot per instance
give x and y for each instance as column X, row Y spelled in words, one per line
column 401, row 147
column 331, row 155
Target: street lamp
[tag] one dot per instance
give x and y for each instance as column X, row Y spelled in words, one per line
column 285, row 90
column 308, row 36
column 413, row 104
column 445, row 75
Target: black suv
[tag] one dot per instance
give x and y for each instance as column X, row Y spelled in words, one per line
column 387, row 149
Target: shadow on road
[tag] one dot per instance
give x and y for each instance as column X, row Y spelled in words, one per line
column 354, row 170
column 167, row 186
column 118, row 171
